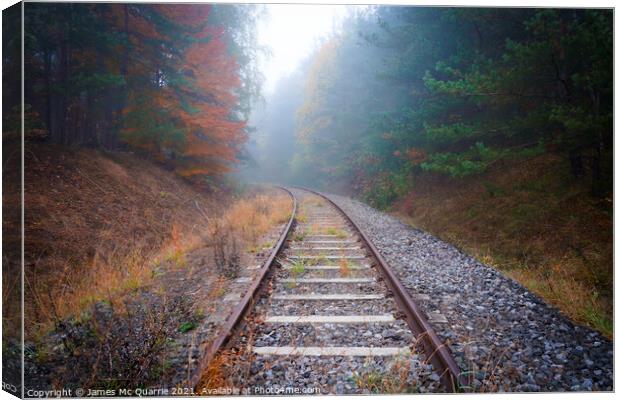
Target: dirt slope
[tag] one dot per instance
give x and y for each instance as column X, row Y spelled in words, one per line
column 92, row 220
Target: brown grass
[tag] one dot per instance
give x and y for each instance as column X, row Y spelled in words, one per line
column 393, row 381
column 239, row 228
column 534, row 222
column 344, row 268
column 228, row 366
column 97, row 224
column 101, row 227
column 215, row 376
column 252, row 217
column 86, row 252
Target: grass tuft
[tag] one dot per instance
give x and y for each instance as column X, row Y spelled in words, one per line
column 394, row 380
column 297, row 268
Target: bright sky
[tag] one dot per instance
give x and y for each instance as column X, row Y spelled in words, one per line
column 291, row 31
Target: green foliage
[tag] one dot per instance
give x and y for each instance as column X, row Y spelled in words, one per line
column 298, row 267
column 387, row 188
column 450, row 133
column 453, row 91
column 187, row 326
column 475, row 161
column 99, row 81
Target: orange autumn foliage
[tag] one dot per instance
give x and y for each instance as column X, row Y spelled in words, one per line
column 416, row 156
column 184, row 114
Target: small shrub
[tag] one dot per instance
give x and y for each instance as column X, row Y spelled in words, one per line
column 120, row 345
column 339, row 233
column 226, row 252
column 177, row 258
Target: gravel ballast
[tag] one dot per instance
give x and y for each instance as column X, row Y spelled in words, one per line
column 507, row 338
column 293, row 339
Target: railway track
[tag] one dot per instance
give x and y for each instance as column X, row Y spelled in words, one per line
column 327, row 315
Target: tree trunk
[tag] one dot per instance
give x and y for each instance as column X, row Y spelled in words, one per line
column 576, row 162
column 64, row 97
column 599, row 146
column 48, row 94
column 114, row 134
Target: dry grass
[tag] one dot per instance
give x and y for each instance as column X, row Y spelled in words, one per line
column 302, row 218
column 534, row 222
column 241, row 226
column 111, row 231
column 393, row 381
column 215, row 375
column 250, row 218
column 123, row 270
column 229, row 365
column 344, row 268
column 97, row 224
column 577, row 299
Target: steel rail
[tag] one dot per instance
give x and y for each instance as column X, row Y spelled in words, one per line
column 450, row 374
column 242, row 308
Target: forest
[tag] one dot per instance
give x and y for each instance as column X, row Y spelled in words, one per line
column 173, row 83
column 133, row 114
column 402, row 91
column 395, row 92
column 492, row 128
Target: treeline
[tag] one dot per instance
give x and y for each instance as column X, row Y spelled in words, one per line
column 402, row 91
column 172, row 81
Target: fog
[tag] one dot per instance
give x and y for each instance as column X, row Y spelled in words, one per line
column 290, row 32
column 368, row 99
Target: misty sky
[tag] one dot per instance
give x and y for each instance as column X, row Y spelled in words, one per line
column 291, row 31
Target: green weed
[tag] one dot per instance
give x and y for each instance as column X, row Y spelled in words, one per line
column 298, row 267
column 187, row 326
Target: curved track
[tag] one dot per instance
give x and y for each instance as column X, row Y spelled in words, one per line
column 327, row 315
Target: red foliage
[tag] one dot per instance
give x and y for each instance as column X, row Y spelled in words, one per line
column 201, row 105
column 416, row 156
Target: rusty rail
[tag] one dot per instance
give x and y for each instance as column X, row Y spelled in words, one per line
column 243, row 307
column 451, row 377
